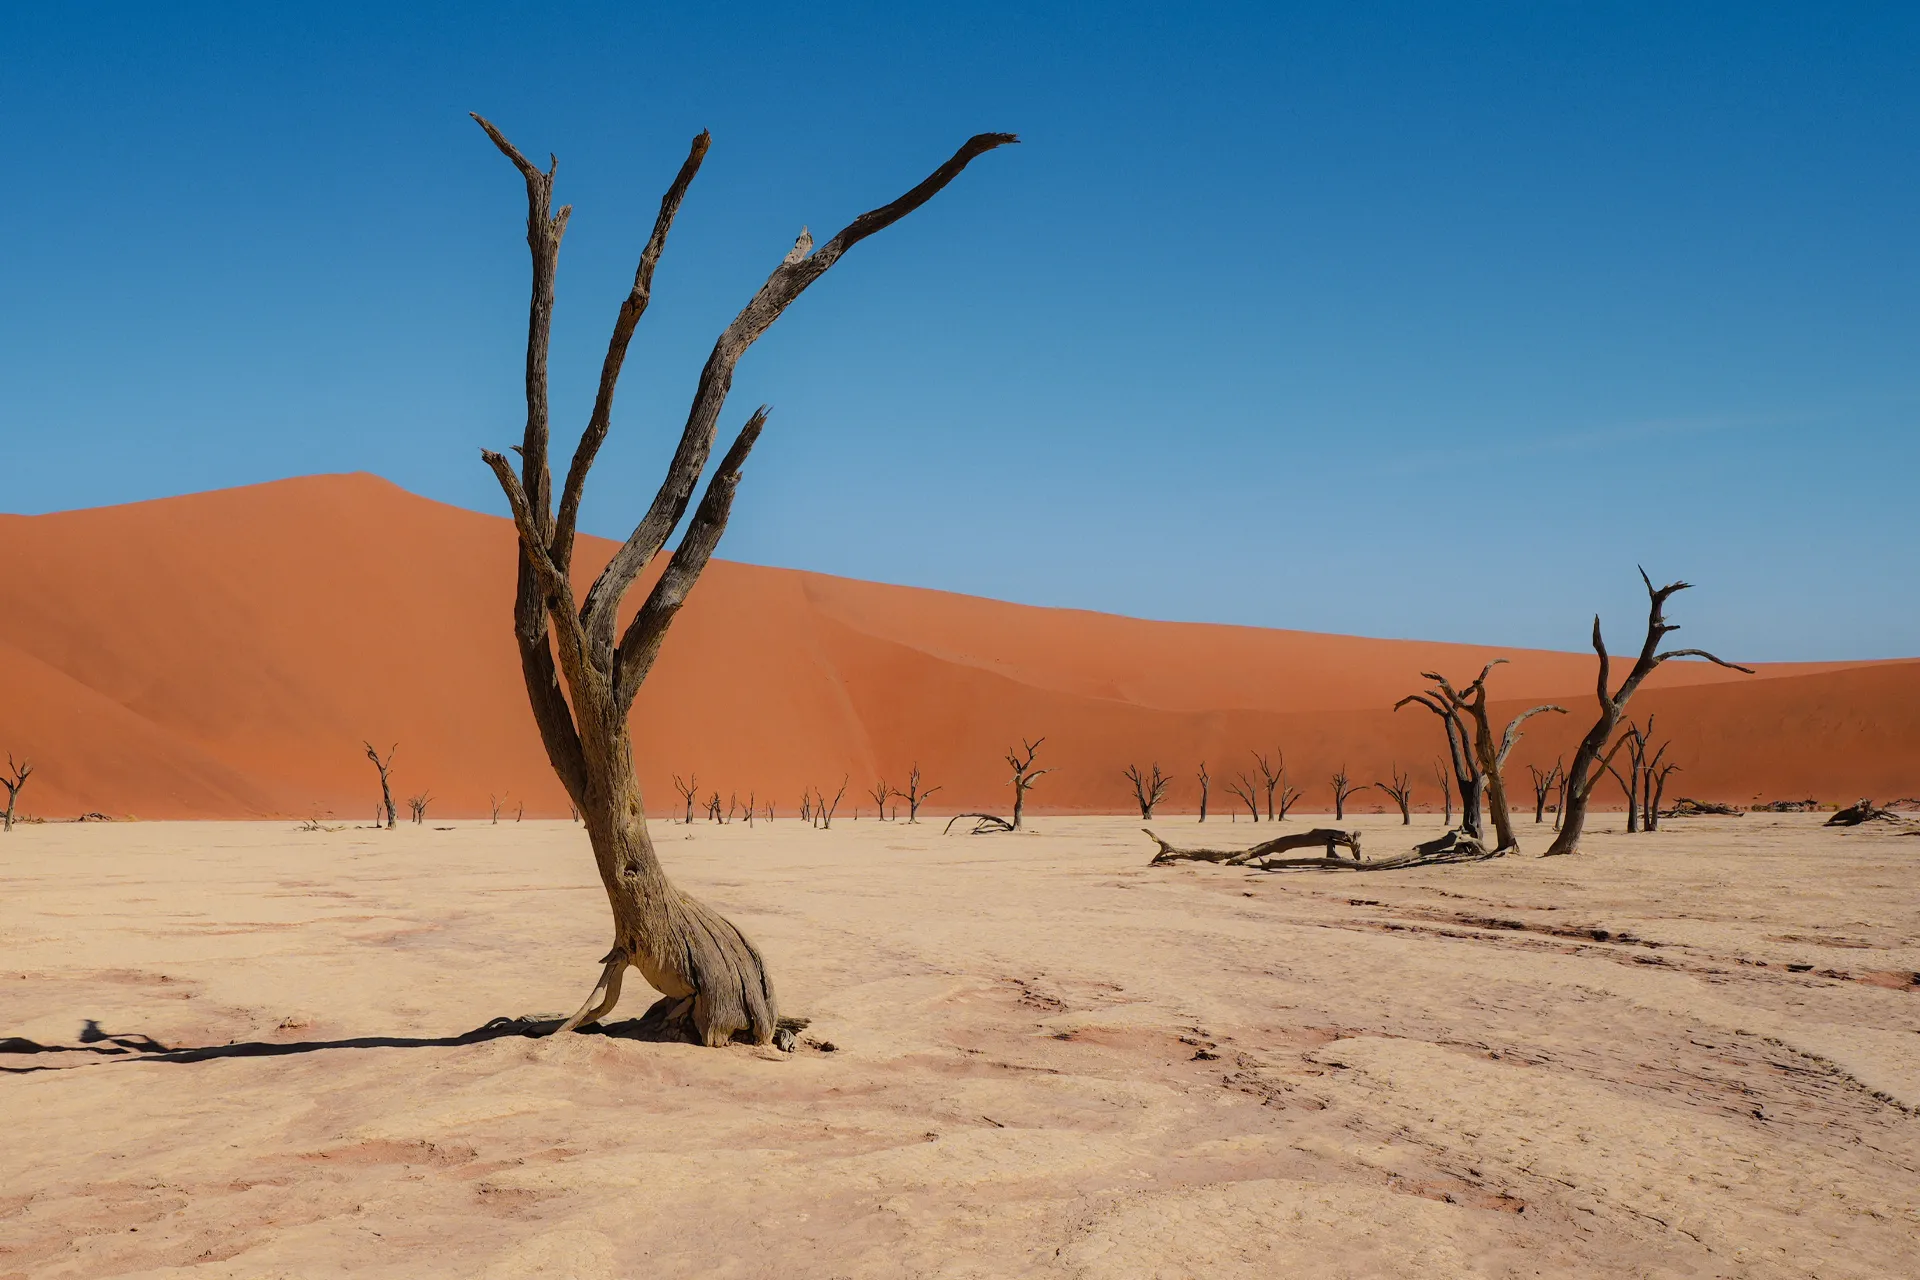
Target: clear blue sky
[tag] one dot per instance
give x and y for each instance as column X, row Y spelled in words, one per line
column 1422, row 320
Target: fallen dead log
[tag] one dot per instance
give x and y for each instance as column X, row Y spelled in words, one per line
column 1787, row 806
column 1324, row 837
column 1454, row 846
column 1687, row 807
column 987, row 823
column 1860, row 811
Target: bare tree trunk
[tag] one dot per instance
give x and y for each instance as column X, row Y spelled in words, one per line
column 688, row 789
column 16, row 778
column 1149, row 789
column 493, row 803
column 712, row 980
column 1024, row 775
column 1593, row 755
column 1205, row 783
column 386, row 786
column 1401, row 789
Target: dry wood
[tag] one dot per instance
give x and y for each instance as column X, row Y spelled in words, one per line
column 688, row 789
column 1401, row 789
column 1320, row 837
column 1860, row 811
column 1149, row 789
column 915, row 795
column 1787, row 806
column 1446, row 789
column 985, row 824
column 1343, row 787
column 1244, row 788
column 1687, row 807
column 698, row 960
column 1467, row 776
column 1024, row 775
column 1206, row 784
column 15, row 778
column 1543, row 784
column 880, row 791
column 386, row 778
column 1593, row 755
column 1488, row 757
column 823, row 809
column 418, row 804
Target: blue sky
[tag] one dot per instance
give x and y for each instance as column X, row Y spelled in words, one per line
column 1422, row 320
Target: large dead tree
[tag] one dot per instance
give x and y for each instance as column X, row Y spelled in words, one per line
column 1489, row 754
column 386, row 777
column 1593, row 755
column 14, row 779
column 915, row 795
column 1149, row 789
column 712, row 980
column 1401, row 789
column 1024, row 775
column 1206, row 784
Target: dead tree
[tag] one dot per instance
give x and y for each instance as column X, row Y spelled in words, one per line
column 806, row 806
column 984, row 824
column 914, row 795
column 1467, row 776
column 1454, row 846
column 1206, row 783
column 1446, row 789
column 16, row 778
column 1343, row 787
column 712, row 980
column 1634, row 739
column 1149, row 789
column 1542, row 788
column 1488, row 755
column 1024, row 775
column 1862, row 811
column 880, row 791
column 520, row 811
column 493, row 803
column 823, row 810
column 1593, row 755
column 1289, row 795
column 1327, row 837
column 419, row 805
column 386, row 777
column 1248, row 793
column 688, row 789
column 713, row 807
column 1270, row 778
column 1401, row 789
column 750, row 808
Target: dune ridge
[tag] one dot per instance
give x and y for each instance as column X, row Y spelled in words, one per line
column 224, row 654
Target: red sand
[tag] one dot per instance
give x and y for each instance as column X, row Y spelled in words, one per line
column 224, row 654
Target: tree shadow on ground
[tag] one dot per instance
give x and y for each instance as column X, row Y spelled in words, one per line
column 135, row 1047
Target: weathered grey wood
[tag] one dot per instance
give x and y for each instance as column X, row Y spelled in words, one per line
column 1328, row 838
column 1593, row 754
column 688, row 952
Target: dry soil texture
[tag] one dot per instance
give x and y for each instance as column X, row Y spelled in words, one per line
column 244, row 1050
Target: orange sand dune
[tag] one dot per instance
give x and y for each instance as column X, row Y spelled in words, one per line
column 225, row 654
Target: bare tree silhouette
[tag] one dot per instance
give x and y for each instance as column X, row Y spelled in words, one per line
column 16, row 778
column 1401, row 789
column 1148, row 788
column 1024, row 775
column 915, row 795
column 386, row 777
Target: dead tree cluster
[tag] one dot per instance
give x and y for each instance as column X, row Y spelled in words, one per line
column 713, row 981
column 15, row 778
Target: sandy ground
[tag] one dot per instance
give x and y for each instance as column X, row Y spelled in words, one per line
column 1690, row 1054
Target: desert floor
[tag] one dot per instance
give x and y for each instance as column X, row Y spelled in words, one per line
column 1695, row 1053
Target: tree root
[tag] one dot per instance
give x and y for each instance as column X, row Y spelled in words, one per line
column 1454, row 846
column 988, row 824
column 605, row 993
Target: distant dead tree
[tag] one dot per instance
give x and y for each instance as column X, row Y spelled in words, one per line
column 823, row 810
column 1401, row 789
column 713, row 807
column 1643, row 766
column 1542, row 788
column 915, row 795
column 1247, row 791
column 520, row 811
column 493, row 803
column 806, row 805
column 689, row 787
column 419, row 805
column 1489, row 756
column 16, row 778
column 386, row 777
column 1024, row 775
column 1149, row 789
column 733, row 803
column 751, row 810
column 1593, row 754
column 1446, row 789
column 1343, row 787
column 1206, row 783
column 713, row 981
column 1656, row 785
column 880, row 791
column 1269, row 777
